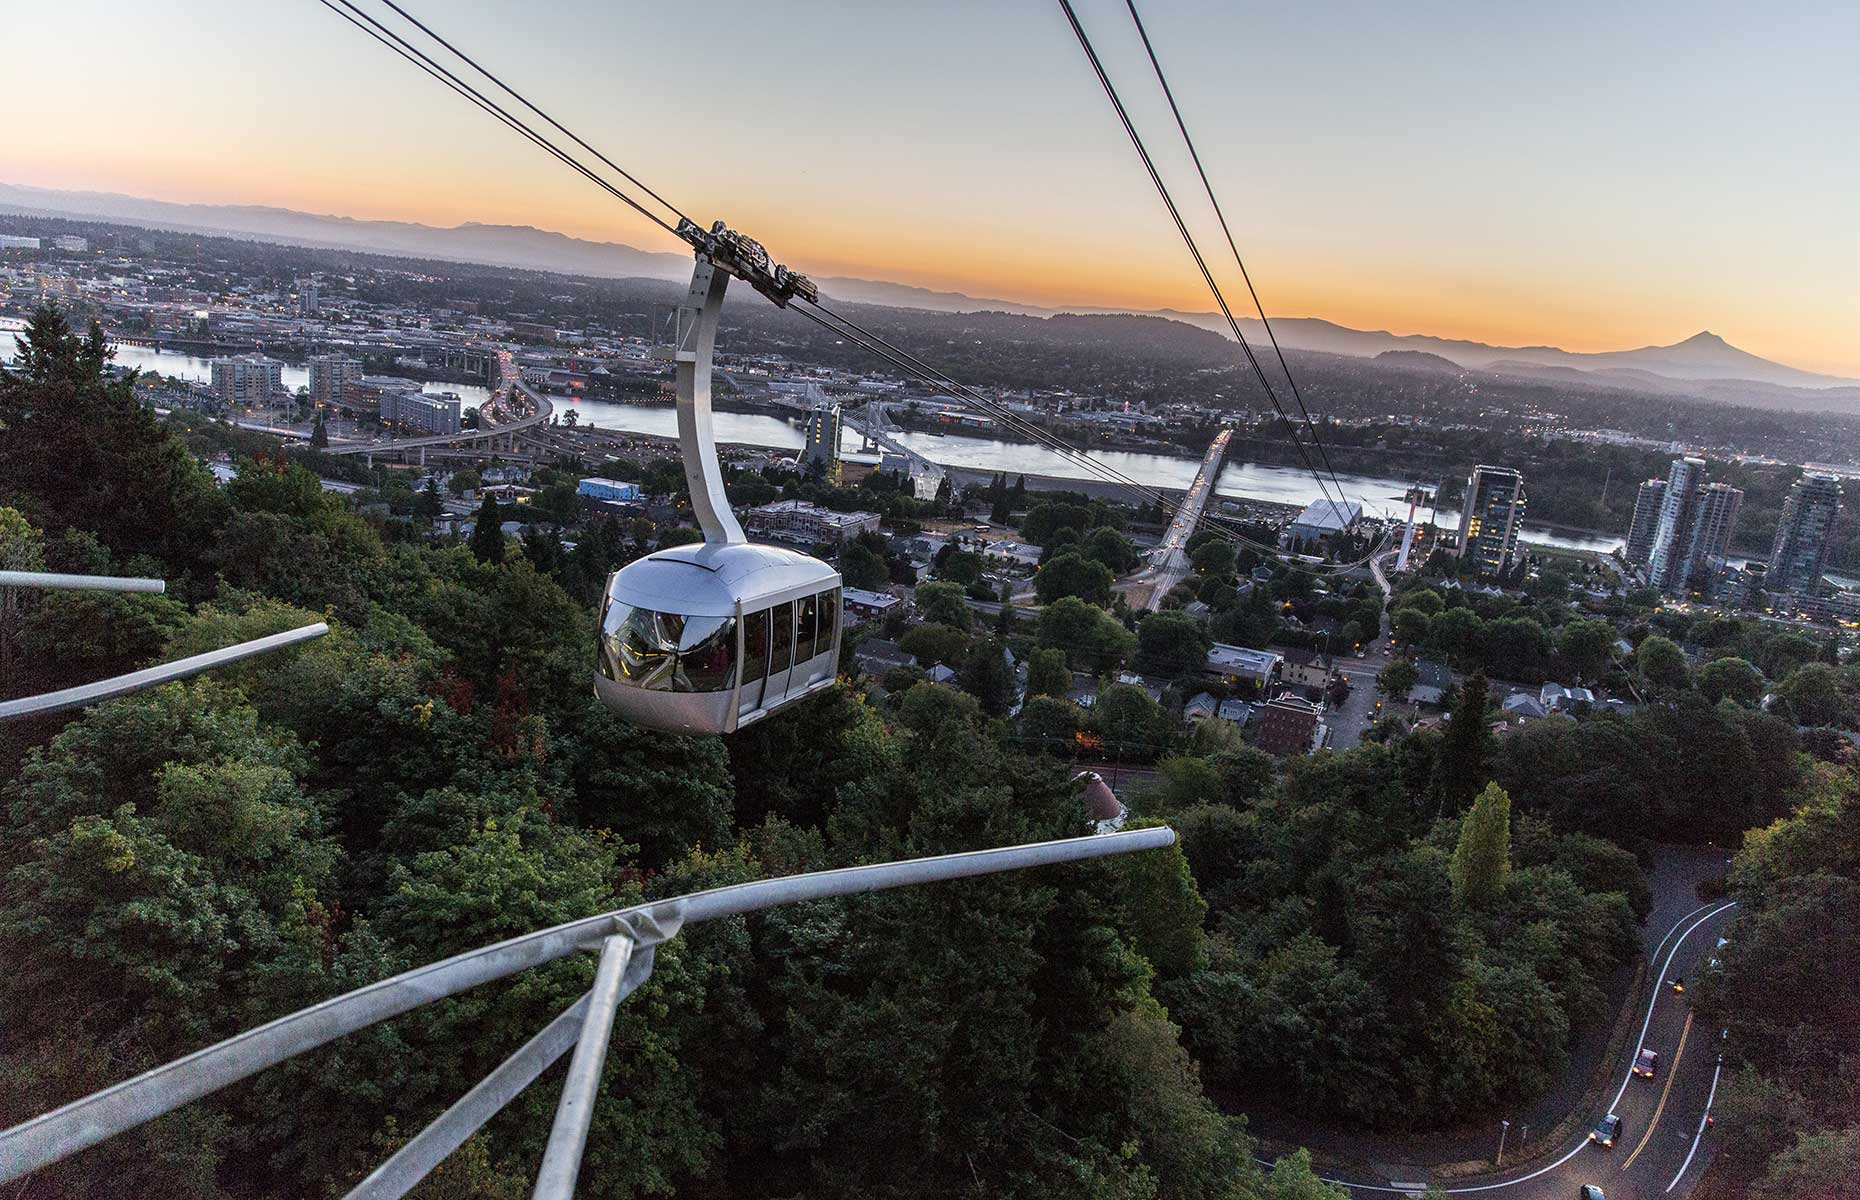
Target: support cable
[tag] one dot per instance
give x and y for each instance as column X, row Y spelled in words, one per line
column 1162, row 189
column 1226, row 232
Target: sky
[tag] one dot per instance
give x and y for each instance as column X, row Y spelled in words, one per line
column 1590, row 175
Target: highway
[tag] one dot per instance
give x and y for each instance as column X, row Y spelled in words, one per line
column 1665, row 1143
column 1170, row 563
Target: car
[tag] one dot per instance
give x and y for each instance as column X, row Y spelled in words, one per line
column 1647, row 1063
column 1589, row 1191
column 1606, row 1131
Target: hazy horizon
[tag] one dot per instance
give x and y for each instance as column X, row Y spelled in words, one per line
column 1589, row 179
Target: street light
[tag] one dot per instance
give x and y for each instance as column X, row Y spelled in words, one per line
column 1504, row 1127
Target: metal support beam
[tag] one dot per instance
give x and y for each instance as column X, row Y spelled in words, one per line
column 79, row 583
column 568, row 1138
column 87, row 694
column 63, row 1132
column 415, row 1160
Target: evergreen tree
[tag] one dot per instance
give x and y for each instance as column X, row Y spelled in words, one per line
column 1463, row 762
column 1482, row 859
column 319, row 436
column 487, row 540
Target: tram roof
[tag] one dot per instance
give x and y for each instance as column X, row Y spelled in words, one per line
column 705, row 579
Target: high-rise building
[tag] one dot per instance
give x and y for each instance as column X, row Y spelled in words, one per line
column 1676, row 507
column 330, row 377
column 1710, row 540
column 247, row 379
column 1646, row 521
column 1694, row 533
column 307, row 298
column 1493, row 515
column 1799, row 553
column 820, row 442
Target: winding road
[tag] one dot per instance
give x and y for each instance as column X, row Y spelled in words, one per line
column 1665, row 1142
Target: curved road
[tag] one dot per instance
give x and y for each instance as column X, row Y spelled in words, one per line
column 1665, row 1143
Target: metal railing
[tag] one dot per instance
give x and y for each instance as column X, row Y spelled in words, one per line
column 626, row 939
column 86, row 694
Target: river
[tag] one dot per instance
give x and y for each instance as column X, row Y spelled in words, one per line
column 1248, row 481
column 179, row 365
column 1240, row 481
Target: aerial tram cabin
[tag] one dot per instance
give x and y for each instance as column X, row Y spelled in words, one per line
column 707, row 638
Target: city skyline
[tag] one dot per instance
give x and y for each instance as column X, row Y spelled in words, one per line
column 1621, row 181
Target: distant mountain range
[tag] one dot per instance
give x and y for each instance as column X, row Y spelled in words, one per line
column 1703, row 365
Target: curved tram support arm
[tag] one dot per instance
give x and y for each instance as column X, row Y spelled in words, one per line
column 697, row 440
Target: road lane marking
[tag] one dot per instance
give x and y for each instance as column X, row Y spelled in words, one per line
column 1579, row 1147
column 1676, row 924
column 1658, row 987
column 1703, row 1118
column 1672, row 1073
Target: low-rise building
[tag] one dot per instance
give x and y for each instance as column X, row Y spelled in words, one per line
column 1304, row 667
column 875, row 656
column 1322, row 520
column 1237, row 711
column 802, row 521
column 420, row 412
column 1235, row 664
column 861, row 605
column 1290, row 724
column 596, row 488
column 1202, row 707
column 1432, row 682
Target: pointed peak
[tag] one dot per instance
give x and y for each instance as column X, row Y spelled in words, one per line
column 1704, row 338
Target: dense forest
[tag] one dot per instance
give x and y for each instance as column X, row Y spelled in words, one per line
column 1790, row 1106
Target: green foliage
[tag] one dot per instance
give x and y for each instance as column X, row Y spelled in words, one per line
column 863, row 567
column 1465, row 748
column 1091, row 638
column 1812, row 694
column 1587, row 647
column 1733, row 679
column 1482, row 858
column 936, row 643
column 487, row 536
column 1215, row 558
column 1072, row 574
column 1110, row 547
column 1047, row 673
column 80, row 452
column 1410, row 626
column 1172, row 645
column 1132, row 724
column 1397, row 678
column 1661, row 663
column 1788, row 1103
column 945, row 604
column 986, row 675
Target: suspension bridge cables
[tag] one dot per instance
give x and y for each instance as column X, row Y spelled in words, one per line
column 419, row 58
column 1208, row 187
column 1162, row 189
